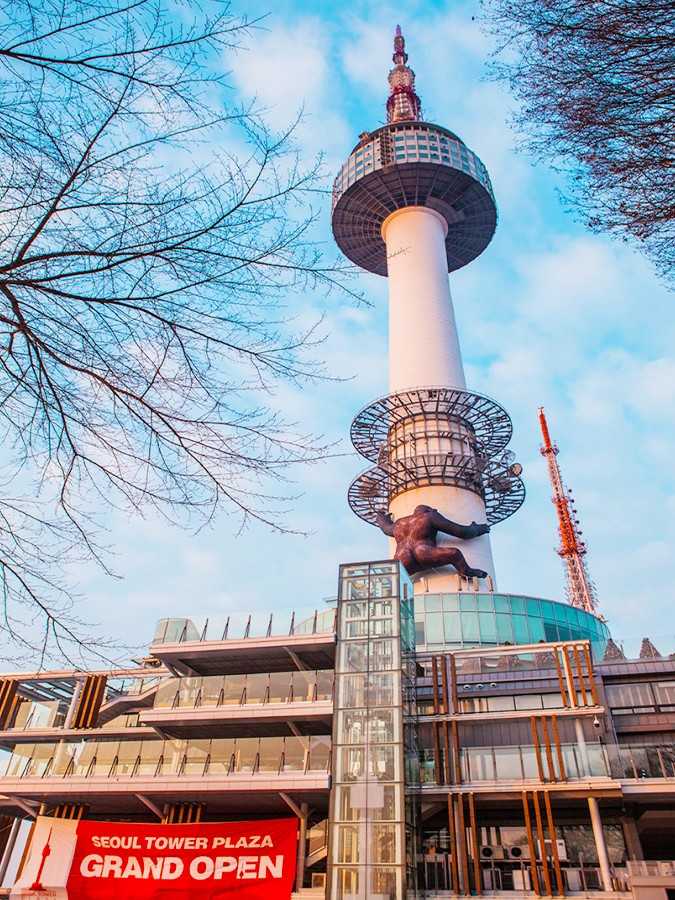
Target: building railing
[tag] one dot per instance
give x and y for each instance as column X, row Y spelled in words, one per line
column 150, row 758
column 651, row 868
column 520, row 763
column 238, row 627
column 259, row 688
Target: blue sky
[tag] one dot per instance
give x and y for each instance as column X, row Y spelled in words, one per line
column 549, row 315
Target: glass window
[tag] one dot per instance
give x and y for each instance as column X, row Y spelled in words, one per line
column 533, row 607
column 220, row 761
column 488, row 627
column 636, row 694
column 353, row 656
column 352, row 724
column 270, row 753
column 551, row 631
column 433, row 603
column 450, row 602
column 382, row 726
column 383, row 585
column 502, row 604
column 384, row 655
column 420, row 636
column 536, row 626
column 382, row 689
column 381, row 627
column 383, row 844
column 504, row 628
column 351, row 844
column 486, row 602
column 382, row 763
column 528, row 701
column 351, row 764
column 352, row 690
column 470, row 632
column 547, row 610
column 353, row 610
column 517, row 605
column 520, row 632
column 498, row 704
column 434, row 628
column 381, row 802
column 468, row 601
column 295, row 754
column 552, row 701
column 452, row 629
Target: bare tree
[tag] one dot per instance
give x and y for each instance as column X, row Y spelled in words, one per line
column 143, row 272
column 595, row 80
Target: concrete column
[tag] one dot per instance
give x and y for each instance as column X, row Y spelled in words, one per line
column 424, row 352
column 632, row 838
column 423, row 343
column 600, row 845
column 302, row 847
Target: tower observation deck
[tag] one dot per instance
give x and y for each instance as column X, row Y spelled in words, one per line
column 413, row 203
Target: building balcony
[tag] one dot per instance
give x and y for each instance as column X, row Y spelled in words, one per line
column 506, row 766
column 110, row 774
column 277, row 703
column 213, row 649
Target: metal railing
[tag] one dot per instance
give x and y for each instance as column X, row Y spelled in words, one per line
column 522, row 763
column 258, row 688
column 151, row 758
column 306, row 620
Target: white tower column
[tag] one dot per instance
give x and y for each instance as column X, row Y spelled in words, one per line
column 424, row 352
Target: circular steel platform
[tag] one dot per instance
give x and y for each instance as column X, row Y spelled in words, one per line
column 372, row 491
column 489, row 421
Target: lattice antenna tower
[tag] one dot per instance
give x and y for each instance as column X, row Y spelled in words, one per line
column 580, row 589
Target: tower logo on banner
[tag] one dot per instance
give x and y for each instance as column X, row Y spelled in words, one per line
column 91, row 860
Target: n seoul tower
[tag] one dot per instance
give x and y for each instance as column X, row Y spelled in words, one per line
column 413, row 203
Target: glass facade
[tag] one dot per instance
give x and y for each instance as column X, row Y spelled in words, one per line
column 368, row 820
column 472, row 620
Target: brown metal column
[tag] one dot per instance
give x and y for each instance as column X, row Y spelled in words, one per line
column 542, row 843
column 531, row 845
column 452, row 834
column 302, row 847
column 475, row 851
column 462, row 856
column 558, row 748
column 537, row 747
column 554, row 845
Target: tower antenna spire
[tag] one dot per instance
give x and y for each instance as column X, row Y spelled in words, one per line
column 403, row 104
column 580, row 589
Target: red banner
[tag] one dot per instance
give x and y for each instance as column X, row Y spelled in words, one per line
column 90, row 860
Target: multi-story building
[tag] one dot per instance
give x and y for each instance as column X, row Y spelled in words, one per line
column 431, row 735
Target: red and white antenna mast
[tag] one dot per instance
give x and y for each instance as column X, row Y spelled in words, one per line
column 580, row 589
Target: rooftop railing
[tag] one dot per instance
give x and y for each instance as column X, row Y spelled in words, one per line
column 228, row 690
column 151, row 758
column 520, row 763
column 305, row 620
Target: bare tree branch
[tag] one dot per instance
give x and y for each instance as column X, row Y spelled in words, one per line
column 145, row 275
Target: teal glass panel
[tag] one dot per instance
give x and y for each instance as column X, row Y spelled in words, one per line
column 521, row 634
column 551, row 631
column 488, row 627
column 536, row 627
column 533, row 607
column 565, row 632
column 502, row 604
column 578, row 618
column 504, row 628
column 450, row 602
column 432, row 603
column 570, row 618
column 453, row 631
column 470, row 631
column 517, row 604
column 468, row 602
column 486, row 602
column 559, row 611
column 434, row 628
column 547, row 610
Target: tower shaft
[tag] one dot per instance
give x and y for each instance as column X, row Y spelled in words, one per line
column 424, row 352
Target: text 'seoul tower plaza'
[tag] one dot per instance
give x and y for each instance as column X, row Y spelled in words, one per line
column 413, row 203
